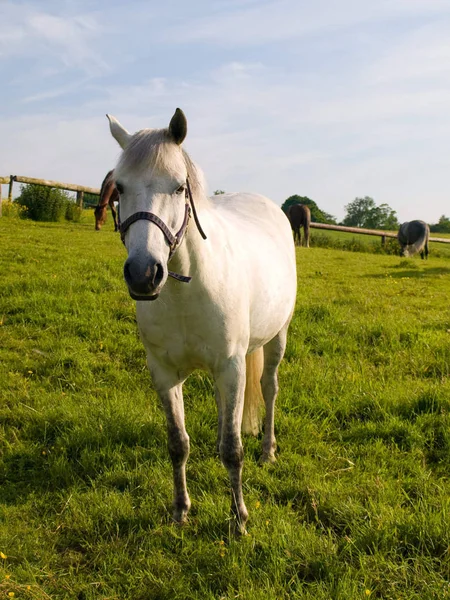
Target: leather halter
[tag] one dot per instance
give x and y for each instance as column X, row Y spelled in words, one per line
column 174, row 240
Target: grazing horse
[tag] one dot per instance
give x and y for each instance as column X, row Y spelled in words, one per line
column 225, row 305
column 413, row 237
column 299, row 215
column 108, row 195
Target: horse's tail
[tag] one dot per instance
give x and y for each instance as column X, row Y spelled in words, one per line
column 253, row 399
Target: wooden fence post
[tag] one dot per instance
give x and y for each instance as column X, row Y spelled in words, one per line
column 383, row 240
column 11, row 182
column 80, row 196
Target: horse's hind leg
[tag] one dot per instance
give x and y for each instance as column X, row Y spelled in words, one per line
column 273, row 354
column 424, row 253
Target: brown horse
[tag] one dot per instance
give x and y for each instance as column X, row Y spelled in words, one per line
column 108, row 195
column 299, row 215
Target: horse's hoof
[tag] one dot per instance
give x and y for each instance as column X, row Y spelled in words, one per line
column 180, row 519
column 237, row 530
column 268, row 458
column 180, row 515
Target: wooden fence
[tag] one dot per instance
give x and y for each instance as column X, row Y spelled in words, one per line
column 382, row 234
column 81, row 189
column 71, row 187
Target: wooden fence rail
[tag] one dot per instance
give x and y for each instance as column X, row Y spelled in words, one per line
column 71, row 187
column 382, row 234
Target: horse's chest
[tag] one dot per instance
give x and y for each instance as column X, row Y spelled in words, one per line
column 185, row 341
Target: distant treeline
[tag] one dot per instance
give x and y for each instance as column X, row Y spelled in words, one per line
column 363, row 212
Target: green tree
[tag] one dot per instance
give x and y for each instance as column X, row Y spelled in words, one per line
column 218, row 192
column 359, row 212
column 317, row 215
column 387, row 218
column 363, row 212
column 442, row 226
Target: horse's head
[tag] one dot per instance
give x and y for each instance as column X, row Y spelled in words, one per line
column 100, row 216
column 151, row 178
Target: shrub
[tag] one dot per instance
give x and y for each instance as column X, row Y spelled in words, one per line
column 73, row 212
column 12, row 209
column 44, row 203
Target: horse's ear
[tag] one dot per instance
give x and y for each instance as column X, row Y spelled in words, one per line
column 119, row 133
column 178, row 126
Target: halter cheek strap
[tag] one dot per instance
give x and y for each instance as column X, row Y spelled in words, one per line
column 173, row 240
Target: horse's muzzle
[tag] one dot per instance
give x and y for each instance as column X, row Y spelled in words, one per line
column 144, row 282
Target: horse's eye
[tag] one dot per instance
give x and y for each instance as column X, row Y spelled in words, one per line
column 119, row 187
column 181, row 189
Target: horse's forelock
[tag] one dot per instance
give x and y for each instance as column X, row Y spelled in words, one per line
column 152, row 149
column 144, row 150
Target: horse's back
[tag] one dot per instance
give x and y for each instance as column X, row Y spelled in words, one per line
column 253, row 213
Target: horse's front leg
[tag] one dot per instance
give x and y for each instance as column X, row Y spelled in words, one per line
column 230, row 382
column 171, row 395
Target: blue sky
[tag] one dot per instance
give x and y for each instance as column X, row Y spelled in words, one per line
column 329, row 99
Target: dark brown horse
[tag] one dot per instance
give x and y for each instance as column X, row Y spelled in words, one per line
column 108, row 195
column 299, row 215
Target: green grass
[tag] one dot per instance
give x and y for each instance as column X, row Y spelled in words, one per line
column 358, row 504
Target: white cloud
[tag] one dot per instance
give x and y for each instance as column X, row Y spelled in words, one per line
column 65, row 40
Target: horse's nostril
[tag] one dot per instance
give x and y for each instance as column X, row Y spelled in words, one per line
column 126, row 272
column 158, row 274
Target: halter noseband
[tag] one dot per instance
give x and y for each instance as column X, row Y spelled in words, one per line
column 173, row 240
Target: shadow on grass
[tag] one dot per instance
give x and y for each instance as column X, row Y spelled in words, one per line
column 109, row 458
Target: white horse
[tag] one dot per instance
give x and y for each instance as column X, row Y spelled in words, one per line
column 228, row 314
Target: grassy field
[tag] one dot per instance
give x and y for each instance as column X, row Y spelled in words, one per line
column 357, row 506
